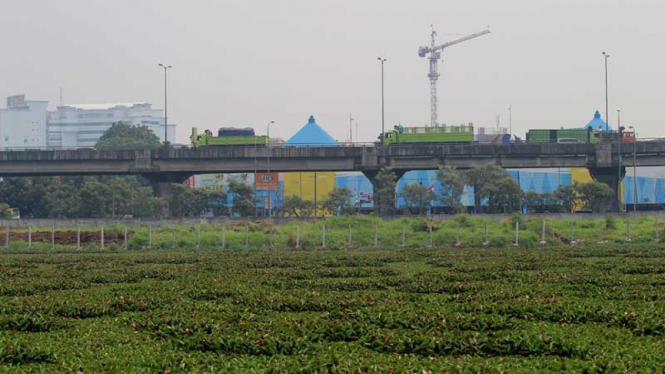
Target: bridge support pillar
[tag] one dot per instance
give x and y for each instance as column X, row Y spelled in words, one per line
column 163, row 183
column 385, row 206
column 611, row 177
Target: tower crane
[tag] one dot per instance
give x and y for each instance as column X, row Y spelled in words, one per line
column 434, row 52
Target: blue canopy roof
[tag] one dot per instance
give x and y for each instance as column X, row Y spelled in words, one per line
column 311, row 135
column 597, row 123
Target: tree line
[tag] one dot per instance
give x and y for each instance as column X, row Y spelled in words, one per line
column 119, row 196
column 495, row 191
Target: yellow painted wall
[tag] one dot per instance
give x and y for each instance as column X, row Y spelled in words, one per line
column 302, row 184
column 582, row 175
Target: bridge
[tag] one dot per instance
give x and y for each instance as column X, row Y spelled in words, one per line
column 163, row 166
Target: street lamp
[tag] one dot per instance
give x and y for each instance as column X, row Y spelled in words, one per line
column 620, row 137
column 269, row 191
column 607, row 112
column 634, row 168
column 383, row 111
column 166, row 113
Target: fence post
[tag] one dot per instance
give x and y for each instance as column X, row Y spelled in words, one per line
column 52, row 238
column 246, row 236
column 323, row 236
column 101, row 237
column 572, row 233
column 458, row 242
column 7, row 236
column 149, row 237
column 517, row 234
column 223, row 236
column 126, row 245
column 350, row 244
column 486, row 242
column 628, row 239
column 270, row 244
column 542, row 235
column 430, row 244
column 376, row 236
column 403, row 234
column 198, row 236
column 657, row 237
column 29, row 237
column 78, row 238
column 297, row 236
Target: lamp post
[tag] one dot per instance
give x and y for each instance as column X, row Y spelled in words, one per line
column 268, row 167
column 383, row 111
column 620, row 132
column 166, row 112
column 635, row 200
column 607, row 111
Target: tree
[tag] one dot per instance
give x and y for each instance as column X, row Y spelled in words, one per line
column 26, row 194
column 96, row 199
column 181, row 201
column 144, row 204
column 297, row 207
column 244, row 202
column 417, row 197
column 503, row 195
column 338, row 202
column 384, row 196
column 563, row 197
column 124, row 135
column 217, row 202
column 594, row 195
column 62, row 201
column 452, row 188
column 534, row 201
column 479, row 176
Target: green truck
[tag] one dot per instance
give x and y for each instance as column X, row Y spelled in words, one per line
column 563, row 136
column 429, row 134
column 228, row 136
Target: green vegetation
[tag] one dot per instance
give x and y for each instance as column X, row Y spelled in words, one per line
column 124, row 135
column 586, row 308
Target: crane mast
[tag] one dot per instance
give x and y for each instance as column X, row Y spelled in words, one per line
column 434, row 52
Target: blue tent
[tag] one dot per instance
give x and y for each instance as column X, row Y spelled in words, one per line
column 597, row 123
column 311, row 135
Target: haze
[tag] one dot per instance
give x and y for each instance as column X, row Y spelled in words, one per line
column 244, row 63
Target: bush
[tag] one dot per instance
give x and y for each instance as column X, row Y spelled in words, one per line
column 463, row 220
column 518, row 217
column 610, row 222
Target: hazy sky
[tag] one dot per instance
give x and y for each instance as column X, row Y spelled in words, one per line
column 246, row 62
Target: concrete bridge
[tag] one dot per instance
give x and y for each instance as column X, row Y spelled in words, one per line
column 163, row 166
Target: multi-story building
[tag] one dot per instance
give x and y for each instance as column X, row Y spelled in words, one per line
column 23, row 123
column 81, row 125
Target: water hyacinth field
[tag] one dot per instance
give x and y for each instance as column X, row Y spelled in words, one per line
column 584, row 308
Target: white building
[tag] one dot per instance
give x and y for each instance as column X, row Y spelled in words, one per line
column 23, row 123
column 81, row 125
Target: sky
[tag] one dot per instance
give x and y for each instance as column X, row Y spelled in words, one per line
column 246, row 63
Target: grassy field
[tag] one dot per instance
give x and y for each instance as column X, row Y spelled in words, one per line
column 579, row 309
column 408, row 233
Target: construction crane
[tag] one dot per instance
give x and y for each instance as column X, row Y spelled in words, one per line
column 434, row 56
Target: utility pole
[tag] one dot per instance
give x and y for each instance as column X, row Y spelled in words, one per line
column 166, row 112
column 383, row 108
column 510, row 119
column 269, row 175
column 635, row 197
column 607, row 110
column 619, row 150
